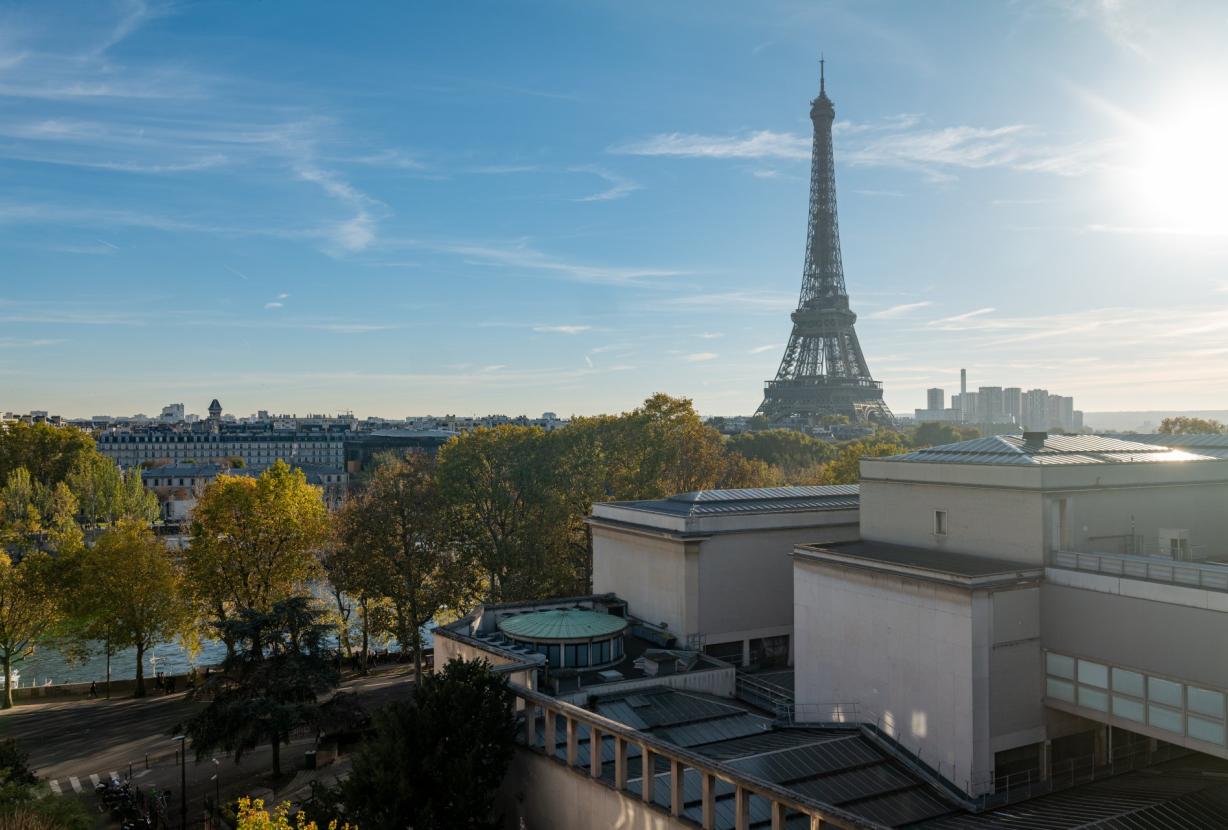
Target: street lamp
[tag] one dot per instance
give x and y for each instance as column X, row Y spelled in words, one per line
column 217, row 786
column 183, row 780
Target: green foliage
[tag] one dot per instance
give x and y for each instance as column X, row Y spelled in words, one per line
column 396, row 544
column 95, row 480
column 798, row 456
column 29, row 610
column 254, row 541
column 271, row 684
column 846, row 469
column 436, row 761
column 126, row 591
column 934, row 434
column 1190, row 426
column 46, row 451
column 22, row 808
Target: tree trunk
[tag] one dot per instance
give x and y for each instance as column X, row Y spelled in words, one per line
column 417, row 657
column 276, row 755
column 8, row 683
column 140, row 671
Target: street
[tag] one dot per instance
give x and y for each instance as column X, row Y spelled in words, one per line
column 75, row 744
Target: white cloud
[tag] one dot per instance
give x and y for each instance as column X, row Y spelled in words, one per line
column 897, row 310
column 710, row 335
column 562, row 329
column 756, row 145
column 273, row 305
column 766, row 348
column 961, row 318
column 700, row 357
column 519, row 255
column 619, row 186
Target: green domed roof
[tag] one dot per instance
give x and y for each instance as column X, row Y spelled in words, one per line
column 561, row 624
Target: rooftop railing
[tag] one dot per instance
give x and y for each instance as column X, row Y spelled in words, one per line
column 1207, row 575
column 661, row 775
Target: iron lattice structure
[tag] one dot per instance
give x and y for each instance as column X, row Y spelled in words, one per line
column 823, row 371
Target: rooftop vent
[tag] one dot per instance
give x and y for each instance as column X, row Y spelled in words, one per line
column 1035, row 439
column 609, row 676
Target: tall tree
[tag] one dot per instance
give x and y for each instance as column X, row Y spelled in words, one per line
column 271, row 684
column 435, row 762
column 129, row 592
column 135, row 501
column 47, row 452
column 398, row 524
column 1182, row 425
column 846, row 469
column 29, row 610
column 95, row 481
column 254, row 542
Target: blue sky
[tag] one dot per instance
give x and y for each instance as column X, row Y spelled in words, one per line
column 518, row 207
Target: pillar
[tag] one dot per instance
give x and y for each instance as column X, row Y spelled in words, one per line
column 741, row 808
column 551, row 742
column 530, row 723
column 778, row 816
column 594, row 752
column 620, row 763
column 709, row 800
column 648, row 773
column 573, row 743
column 676, row 801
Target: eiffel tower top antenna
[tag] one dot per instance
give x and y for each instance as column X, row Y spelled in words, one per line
column 822, row 80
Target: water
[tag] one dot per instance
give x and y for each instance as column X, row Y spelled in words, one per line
column 170, row 658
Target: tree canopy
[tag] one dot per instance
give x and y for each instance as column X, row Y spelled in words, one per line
column 47, row 452
column 1182, row 425
column 29, row 610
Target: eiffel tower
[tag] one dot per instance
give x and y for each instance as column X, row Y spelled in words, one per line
column 823, row 371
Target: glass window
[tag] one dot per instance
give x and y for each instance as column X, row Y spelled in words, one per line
column 1205, row 702
column 1163, row 718
column 1164, row 691
column 940, row 521
column 1094, row 674
column 581, row 655
column 1129, row 709
column 1128, row 682
column 1093, row 699
column 569, row 654
column 1060, row 689
column 618, row 648
column 603, row 651
column 1059, row 665
column 552, row 654
column 1205, row 730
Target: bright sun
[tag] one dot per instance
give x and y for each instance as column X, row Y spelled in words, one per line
column 1181, row 178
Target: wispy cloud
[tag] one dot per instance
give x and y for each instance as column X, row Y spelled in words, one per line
column 755, row 145
column 710, row 335
column 273, row 305
column 959, row 320
column 22, row 343
column 562, row 329
column 619, row 185
column 701, row 357
column 520, row 255
column 765, row 348
column 898, row 310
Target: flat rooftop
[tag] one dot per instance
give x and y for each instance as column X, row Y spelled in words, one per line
column 923, row 562
column 1043, row 449
column 750, row 501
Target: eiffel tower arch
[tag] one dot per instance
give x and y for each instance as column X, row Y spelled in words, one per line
column 823, row 371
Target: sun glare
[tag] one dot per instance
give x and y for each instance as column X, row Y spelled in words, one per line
column 1182, row 175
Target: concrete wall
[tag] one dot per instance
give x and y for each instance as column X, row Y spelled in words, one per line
column 900, row 648
column 1157, row 637
column 998, row 523
column 1016, row 676
column 730, row 564
column 446, row 648
column 1094, row 518
column 718, row 682
column 656, row 576
column 541, row 794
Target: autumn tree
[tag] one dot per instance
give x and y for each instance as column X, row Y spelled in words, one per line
column 846, row 468
column 399, row 523
column 29, row 610
column 798, row 457
column 46, row 452
column 254, row 542
column 95, row 481
column 129, row 593
column 1182, row 425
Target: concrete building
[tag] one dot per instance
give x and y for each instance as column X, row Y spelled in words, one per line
column 1012, row 404
column 685, row 562
column 1025, row 604
column 1035, row 403
column 935, row 399
column 989, row 408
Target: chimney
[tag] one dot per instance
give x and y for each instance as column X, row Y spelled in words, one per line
column 1035, row 439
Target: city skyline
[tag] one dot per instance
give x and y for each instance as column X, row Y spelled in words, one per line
column 552, row 208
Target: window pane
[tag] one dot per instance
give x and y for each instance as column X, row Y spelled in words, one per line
column 1059, row 665
column 1124, row 707
column 1163, row 718
column 1128, row 682
column 1093, row 674
column 1164, row 691
column 552, row 654
column 1205, row 730
column 1060, row 689
column 1205, row 702
column 582, row 654
column 569, row 654
column 1093, row 699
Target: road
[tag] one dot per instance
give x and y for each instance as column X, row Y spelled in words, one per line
column 74, row 744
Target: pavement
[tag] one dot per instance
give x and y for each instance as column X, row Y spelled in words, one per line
column 74, row 744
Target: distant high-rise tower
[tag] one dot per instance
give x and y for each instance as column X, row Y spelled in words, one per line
column 823, row 371
column 935, row 399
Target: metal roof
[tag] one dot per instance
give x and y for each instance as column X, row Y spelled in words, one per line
column 1215, row 445
column 1014, row 450
column 751, row 500
column 561, row 624
column 927, row 559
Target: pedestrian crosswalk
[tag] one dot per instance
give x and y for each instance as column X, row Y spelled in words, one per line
column 73, row 783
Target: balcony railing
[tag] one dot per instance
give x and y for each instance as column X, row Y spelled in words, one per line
column 661, row 775
column 1206, row 575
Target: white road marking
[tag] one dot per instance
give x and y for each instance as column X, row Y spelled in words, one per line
column 76, row 783
column 142, row 773
column 94, row 778
column 55, row 787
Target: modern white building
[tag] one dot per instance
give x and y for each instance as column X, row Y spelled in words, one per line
column 686, row 562
column 1025, row 604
